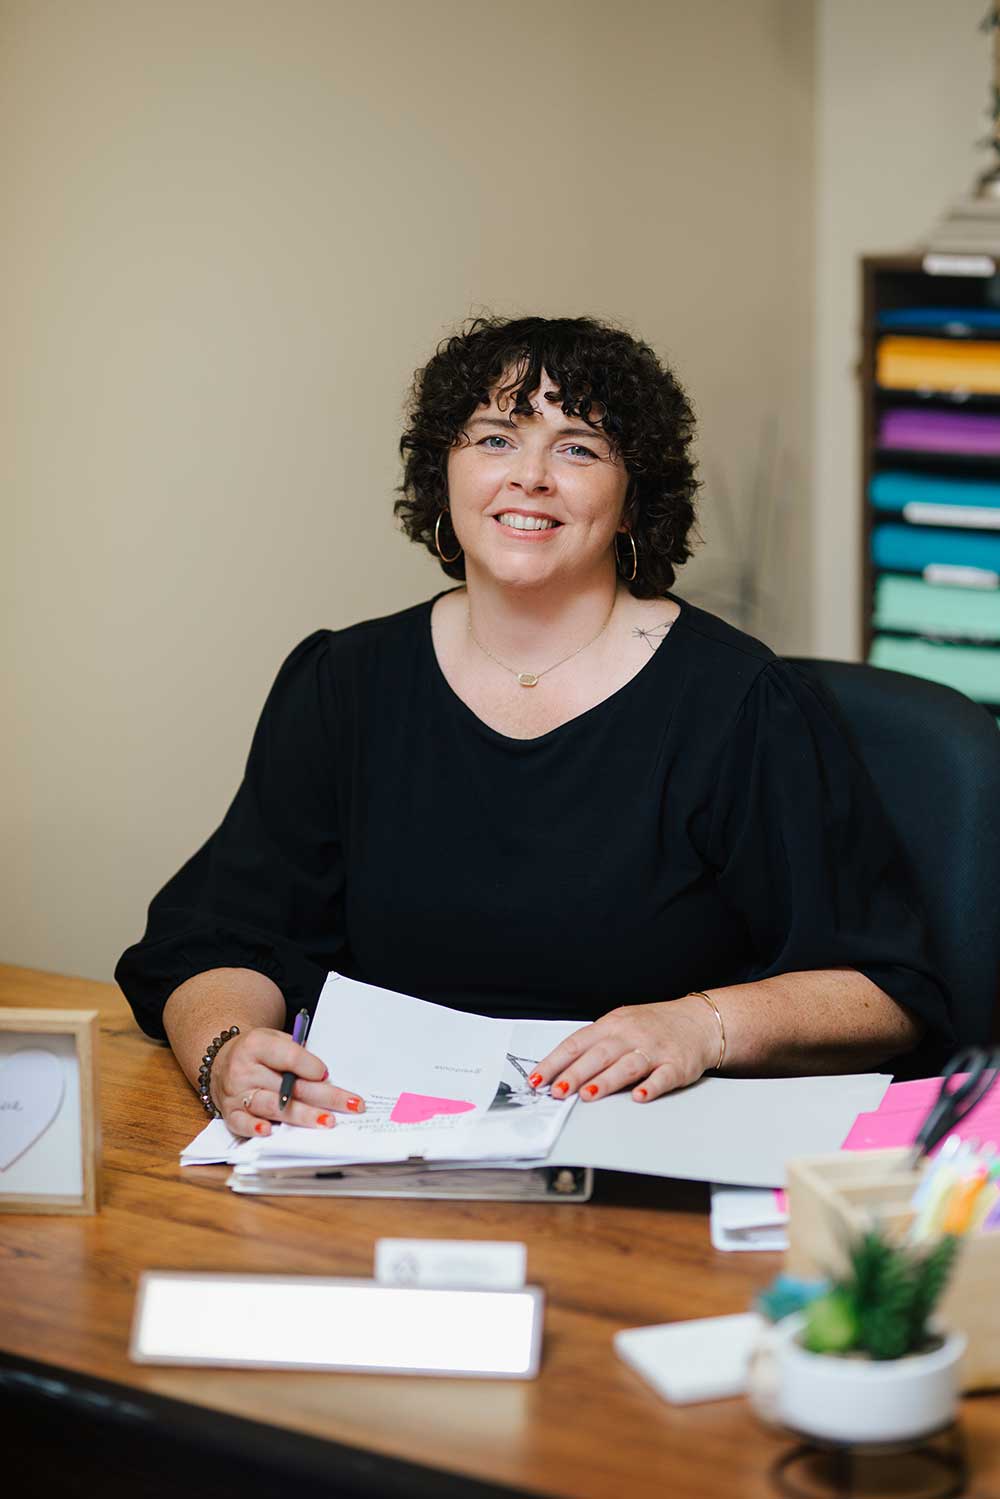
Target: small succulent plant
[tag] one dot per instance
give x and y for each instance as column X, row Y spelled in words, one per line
column 881, row 1307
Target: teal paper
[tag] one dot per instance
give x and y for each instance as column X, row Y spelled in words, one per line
column 904, row 603
column 892, row 490
column 974, row 670
column 910, row 549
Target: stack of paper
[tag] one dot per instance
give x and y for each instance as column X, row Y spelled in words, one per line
column 441, row 1088
column 448, row 1092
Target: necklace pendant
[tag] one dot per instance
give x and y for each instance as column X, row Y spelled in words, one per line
column 527, row 679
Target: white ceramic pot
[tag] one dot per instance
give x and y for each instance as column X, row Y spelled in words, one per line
column 851, row 1399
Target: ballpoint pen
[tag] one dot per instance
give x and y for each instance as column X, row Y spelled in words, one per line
column 300, row 1031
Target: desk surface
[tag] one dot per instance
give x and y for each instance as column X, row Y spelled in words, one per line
column 638, row 1253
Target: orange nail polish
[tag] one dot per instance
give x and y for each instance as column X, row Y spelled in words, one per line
column 591, row 1089
column 354, row 1104
column 324, row 1120
column 642, row 1092
column 535, row 1079
column 260, row 1128
column 561, row 1087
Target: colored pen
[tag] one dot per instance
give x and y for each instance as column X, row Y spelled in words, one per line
column 962, row 1201
column 300, row 1031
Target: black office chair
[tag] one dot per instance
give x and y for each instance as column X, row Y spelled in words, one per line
column 934, row 756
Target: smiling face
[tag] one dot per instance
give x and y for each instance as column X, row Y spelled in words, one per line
column 535, row 500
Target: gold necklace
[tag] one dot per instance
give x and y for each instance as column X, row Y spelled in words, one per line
column 532, row 678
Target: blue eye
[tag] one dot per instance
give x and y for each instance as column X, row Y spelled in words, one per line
column 580, row 448
column 493, row 437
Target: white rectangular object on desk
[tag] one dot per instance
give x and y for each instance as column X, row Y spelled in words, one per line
column 685, row 1362
column 483, row 1264
column 747, row 1218
column 318, row 1322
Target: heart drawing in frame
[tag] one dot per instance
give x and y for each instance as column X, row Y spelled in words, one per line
column 32, row 1083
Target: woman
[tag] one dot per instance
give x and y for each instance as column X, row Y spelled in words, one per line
column 557, row 790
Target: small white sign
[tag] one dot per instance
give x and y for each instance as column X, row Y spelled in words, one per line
column 483, row 1264
column 315, row 1322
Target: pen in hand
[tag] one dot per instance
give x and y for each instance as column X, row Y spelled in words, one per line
column 300, row 1031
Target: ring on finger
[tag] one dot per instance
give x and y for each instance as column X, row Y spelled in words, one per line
column 248, row 1099
column 645, row 1057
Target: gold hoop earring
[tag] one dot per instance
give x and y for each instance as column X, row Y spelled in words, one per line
column 437, row 541
column 627, row 577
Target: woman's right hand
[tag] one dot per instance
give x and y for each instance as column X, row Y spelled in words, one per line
column 246, row 1078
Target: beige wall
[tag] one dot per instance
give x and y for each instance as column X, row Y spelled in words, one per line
column 232, row 231
column 902, row 90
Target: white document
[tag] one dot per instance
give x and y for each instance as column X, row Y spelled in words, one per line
column 736, row 1130
column 215, row 1143
column 442, row 1085
column 438, row 1085
column 745, row 1218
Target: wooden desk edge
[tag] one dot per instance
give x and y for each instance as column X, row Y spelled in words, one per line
column 297, row 1456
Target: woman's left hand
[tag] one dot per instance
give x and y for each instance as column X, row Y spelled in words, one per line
column 651, row 1049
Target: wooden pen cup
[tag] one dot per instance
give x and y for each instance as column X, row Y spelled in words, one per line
column 834, row 1199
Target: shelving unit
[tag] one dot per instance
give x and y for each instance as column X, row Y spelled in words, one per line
column 930, row 388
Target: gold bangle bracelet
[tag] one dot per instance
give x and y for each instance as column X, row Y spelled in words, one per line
column 722, row 1025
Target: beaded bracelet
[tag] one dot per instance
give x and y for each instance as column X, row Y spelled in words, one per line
column 700, row 994
column 205, row 1071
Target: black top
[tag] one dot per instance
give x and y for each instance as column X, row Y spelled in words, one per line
column 705, row 825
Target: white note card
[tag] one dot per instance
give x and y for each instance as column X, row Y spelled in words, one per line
column 706, row 1358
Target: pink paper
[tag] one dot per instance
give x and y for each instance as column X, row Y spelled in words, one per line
column 902, row 1111
column 417, row 1108
column 878, row 1131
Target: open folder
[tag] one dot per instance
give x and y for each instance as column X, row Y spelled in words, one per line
column 450, row 1095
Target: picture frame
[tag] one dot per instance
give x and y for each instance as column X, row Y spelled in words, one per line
column 49, row 1123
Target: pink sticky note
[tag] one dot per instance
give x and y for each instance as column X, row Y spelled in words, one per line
column 416, row 1108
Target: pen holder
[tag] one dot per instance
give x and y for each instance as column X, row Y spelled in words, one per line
column 834, row 1199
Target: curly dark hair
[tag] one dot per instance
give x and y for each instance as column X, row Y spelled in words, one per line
column 639, row 405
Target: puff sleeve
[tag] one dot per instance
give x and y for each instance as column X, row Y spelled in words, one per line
column 804, row 852
column 266, row 890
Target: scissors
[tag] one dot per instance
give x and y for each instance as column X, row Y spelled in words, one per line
column 952, row 1104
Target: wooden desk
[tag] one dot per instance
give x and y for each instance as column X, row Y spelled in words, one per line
column 588, row 1428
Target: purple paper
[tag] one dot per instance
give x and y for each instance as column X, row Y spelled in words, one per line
column 940, row 431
